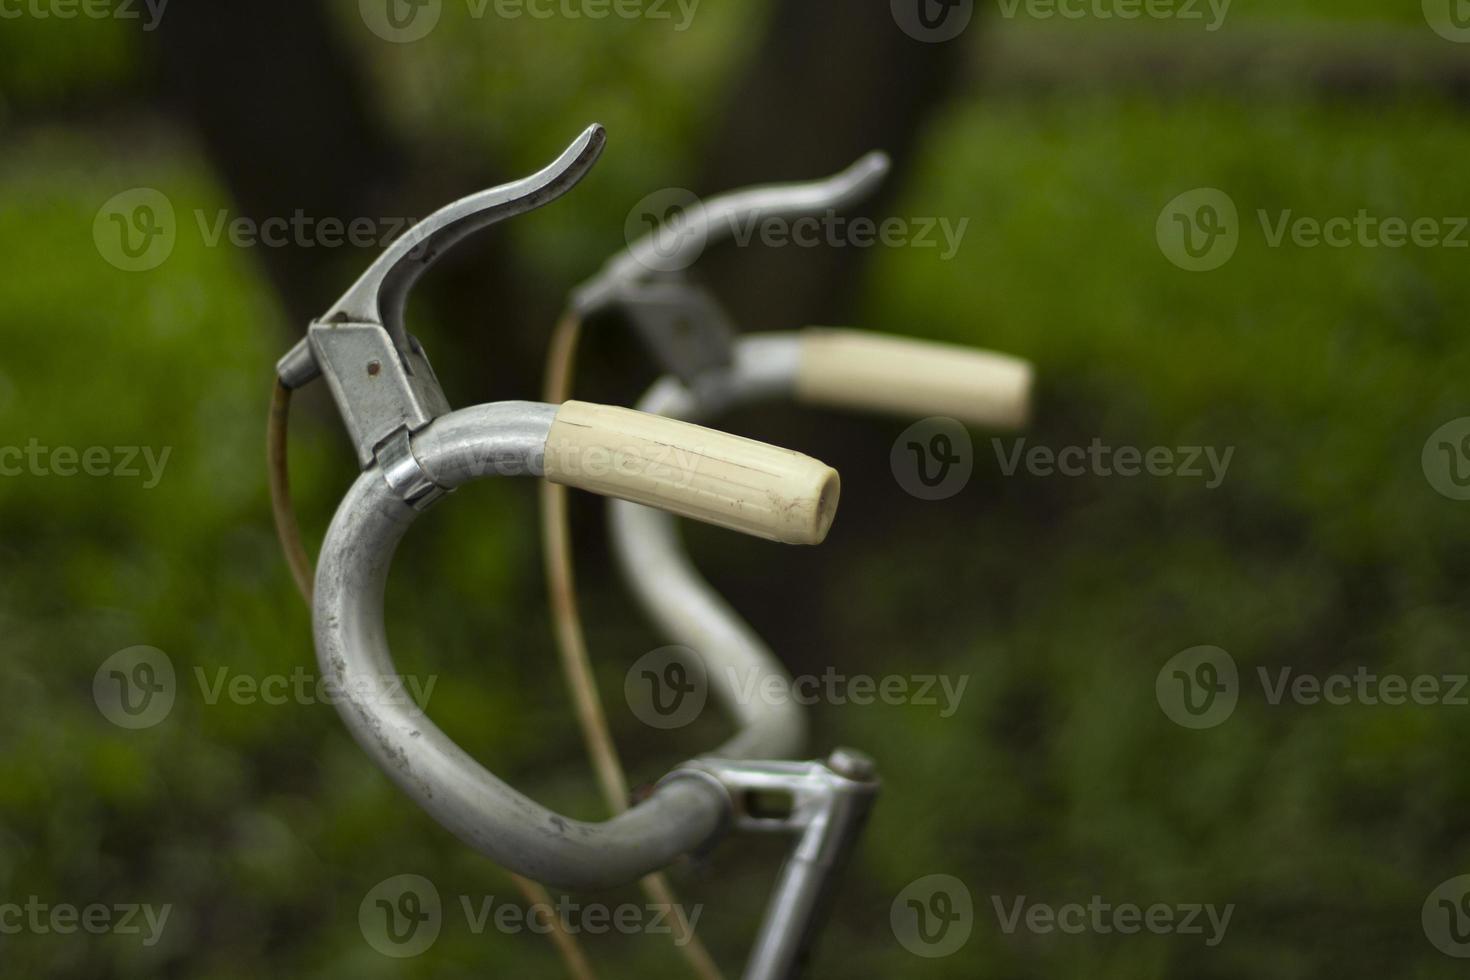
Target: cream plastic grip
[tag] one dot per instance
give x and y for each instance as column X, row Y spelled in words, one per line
column 710, row 476
column 858, row 369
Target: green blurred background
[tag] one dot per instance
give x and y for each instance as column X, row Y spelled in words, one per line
column 1326, row 549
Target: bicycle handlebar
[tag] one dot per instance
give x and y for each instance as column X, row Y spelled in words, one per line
column 352, row 649
column 413, row 450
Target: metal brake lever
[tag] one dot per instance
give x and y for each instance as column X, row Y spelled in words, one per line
column 687, row 329
column 379, row 374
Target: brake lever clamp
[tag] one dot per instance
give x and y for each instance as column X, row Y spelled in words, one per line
column 379, row 374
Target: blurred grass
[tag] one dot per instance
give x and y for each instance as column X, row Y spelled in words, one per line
column 1058, row 778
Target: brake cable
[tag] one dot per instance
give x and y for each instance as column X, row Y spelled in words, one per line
column 576, row 664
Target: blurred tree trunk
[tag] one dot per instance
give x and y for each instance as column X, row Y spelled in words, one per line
column 281, row 109
column 830, row 82
column 285, row 113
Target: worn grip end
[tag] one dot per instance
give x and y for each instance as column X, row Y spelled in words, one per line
column 692, row 471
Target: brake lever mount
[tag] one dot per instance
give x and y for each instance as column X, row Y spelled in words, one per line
column 379, row 374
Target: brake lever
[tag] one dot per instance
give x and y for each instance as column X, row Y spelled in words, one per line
column 682, row 323
column 379, row 374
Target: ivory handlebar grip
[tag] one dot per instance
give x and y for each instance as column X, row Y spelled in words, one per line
column 858, row 369
column 710, row 476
